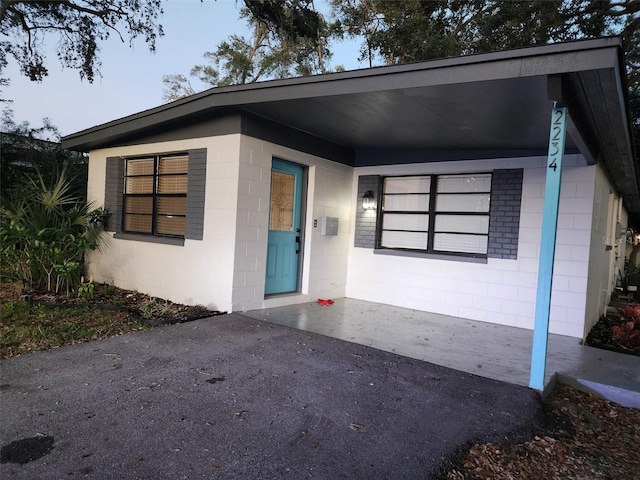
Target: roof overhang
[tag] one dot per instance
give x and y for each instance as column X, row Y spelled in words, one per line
column 457, row 108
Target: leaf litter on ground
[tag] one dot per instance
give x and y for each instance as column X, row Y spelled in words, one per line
column 598, row 440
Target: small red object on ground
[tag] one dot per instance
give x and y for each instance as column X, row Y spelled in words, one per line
column 326, row 303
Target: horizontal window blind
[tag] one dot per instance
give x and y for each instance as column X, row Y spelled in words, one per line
column 436, row 213
column 155, row 196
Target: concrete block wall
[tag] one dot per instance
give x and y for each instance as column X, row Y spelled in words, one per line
column 226, row 269
column 569, row 294
column 200, row 271
column 324, row 257
column 504, row 216
column 365, row 227
column 501, row 291
column 604, row 263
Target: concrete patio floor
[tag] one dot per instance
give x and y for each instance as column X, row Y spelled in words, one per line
column 485, row 349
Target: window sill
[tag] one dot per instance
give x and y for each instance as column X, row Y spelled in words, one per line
column 150, row 239
column 430, row 256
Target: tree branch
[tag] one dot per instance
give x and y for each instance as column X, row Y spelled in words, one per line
column 101, row 14
column 25, row 27
column 5, row 5
column 98, row 13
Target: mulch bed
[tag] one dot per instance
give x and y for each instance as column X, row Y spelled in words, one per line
column 589, row 438
column 596, row 440
column 141, row 307
column 601, row 335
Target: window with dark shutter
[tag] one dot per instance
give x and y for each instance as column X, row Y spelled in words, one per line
column 155, row 195
column 436, row 214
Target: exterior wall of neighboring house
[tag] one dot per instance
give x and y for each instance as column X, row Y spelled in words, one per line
column 608, row 248
column 225, row 269
column 502, row 290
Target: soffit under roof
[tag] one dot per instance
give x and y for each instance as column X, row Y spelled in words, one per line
column 486, row 115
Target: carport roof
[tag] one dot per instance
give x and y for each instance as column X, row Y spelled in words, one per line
column 495, row 104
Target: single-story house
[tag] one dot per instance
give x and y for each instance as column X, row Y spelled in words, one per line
column 419, row 185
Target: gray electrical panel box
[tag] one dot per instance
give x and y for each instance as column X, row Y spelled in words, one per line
column 329, row 226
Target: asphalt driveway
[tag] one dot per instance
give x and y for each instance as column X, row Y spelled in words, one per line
column 235, row 398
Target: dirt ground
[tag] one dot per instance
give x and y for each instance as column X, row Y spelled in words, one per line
column 149, row 310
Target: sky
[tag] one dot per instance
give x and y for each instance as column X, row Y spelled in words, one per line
column 132, row 77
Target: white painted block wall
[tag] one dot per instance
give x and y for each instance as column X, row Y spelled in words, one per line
column 500, row 291
column 603, row 264
column 226, row 270
column 324, row 257
column 200, row 272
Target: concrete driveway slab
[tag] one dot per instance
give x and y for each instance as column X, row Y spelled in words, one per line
column 232, row 397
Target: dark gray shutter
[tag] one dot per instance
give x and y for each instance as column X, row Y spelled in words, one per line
column 366, row 220
column 114, row 191
column 195, row 194
column 504, row 213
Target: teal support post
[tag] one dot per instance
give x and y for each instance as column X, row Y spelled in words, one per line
column 548, row 246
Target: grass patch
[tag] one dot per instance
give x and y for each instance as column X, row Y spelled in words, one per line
column 27, row 327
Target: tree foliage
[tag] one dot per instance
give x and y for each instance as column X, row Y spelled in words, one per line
column 416, row 30
column 32, row 152
column 80, row 25
column 283, row 44
column 291, row 20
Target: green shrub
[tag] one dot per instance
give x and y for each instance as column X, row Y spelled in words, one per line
column 45, row 233
column 85, row 289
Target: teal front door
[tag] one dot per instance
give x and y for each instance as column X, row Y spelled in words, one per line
column 283, row 248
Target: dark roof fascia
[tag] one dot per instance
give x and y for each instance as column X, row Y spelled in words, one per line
column 624, row 86
column 531, row 61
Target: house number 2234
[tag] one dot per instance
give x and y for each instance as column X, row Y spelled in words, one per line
column 556, row 138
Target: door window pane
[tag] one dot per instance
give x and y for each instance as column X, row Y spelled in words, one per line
column 282, row 193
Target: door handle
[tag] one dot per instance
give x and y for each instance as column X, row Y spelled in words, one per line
column 297, row 238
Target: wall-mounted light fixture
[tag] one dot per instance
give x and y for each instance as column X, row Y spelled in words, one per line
column 369, row 200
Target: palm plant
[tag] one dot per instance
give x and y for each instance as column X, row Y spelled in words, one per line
column 44, row 234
